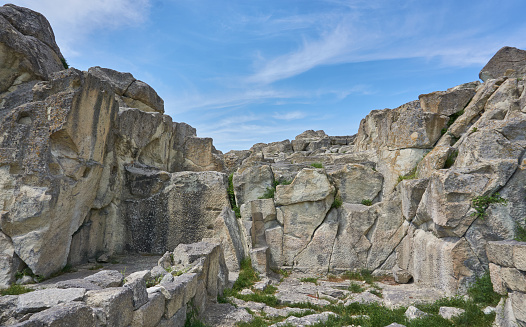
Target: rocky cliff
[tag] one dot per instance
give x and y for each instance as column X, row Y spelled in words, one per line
column 90, row 165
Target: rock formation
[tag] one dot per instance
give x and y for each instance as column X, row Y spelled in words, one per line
column 90, row 166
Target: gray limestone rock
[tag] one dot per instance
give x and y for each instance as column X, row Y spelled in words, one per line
column 508, row 61
column 106, row 278
column 47, row 298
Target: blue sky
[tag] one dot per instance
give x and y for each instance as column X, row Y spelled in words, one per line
column 249, row 71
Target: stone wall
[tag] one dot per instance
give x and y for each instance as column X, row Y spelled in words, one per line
column 508, row 274
column 107, row 298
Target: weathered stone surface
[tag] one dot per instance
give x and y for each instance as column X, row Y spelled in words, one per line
column 260, row 259
column 414, row 313
column 184, row 212
column 401, row 275
column 363, row 298
column 137, row 283
column 450, row 312
column 448, row 102
column 411, row 192
column 106, row 278
column 114, row 305
column 225, row 315
column 316, row 256
column 518, row 303
column 177, row 320
column 351, row 245
column 508, row 61
column 28, row 47
column 356, row 182
column 251, row 183
column 67, row 314
column 47, row 298
column 228, row 232
column 456, row 261
column 310, row 185
column 78, row 283
column 306, row 320
column 407, row 126
column 72, row 126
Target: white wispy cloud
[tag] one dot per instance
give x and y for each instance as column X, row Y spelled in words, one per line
column 289, row 115
column 73, row 20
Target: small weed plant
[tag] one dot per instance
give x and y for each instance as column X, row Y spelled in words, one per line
column 16, row 290
column 481, row 203
column 270, row 191
column 316, row 165
column 232, row 196
column 409, row 175
column 451, row 120
column 337, row 202
column 309, row 280
column 367, row 202
column 355, row 288
column 520, row 232
column 481, row 291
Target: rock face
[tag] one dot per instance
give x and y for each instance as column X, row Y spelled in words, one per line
column 88, row 158
column 91, row 167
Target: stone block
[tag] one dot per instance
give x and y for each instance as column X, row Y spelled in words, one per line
column 501, row 252
column 150, row 314
column 47, row 298
column 106, row 278
column 137, row 283
column 72, row 314
column 519, row 255
column 260, row 259
column 114, row 305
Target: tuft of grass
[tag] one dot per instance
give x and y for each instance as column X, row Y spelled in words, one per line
column 154, row 281
column 474, row 129
column 337, row 202
column 363, row 275
column 316, row 165
column 232, row 196
column 64, row 63
column 409, row 175
column 355, row 288
column 481, row 203
column 309, row 280
column 191, row 317
column 367, row 202
column 269, row 193
column 481, row 291
column 247, row 276
column 520, row 232
column 16, row 290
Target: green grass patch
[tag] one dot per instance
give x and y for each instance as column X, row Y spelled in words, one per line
column 367, row 202
column 481, row 203
column 316, row 165
column 481, row 291
column 337, row 202
column 269, row 193
column 355, row 288
column 64, row 63
column 309, row 280
column 16, row 290
column 363, row 275
column 247, row 276
column 520, row 232
column 409, row 175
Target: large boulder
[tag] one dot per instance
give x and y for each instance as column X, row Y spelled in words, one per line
column 508, row 61
column 27, row 47
column 448, row 102
column 55, row 149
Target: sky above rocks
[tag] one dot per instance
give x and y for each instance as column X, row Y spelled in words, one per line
column 249, row 71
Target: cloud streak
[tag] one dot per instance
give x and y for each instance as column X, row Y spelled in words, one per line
column 73, row 20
